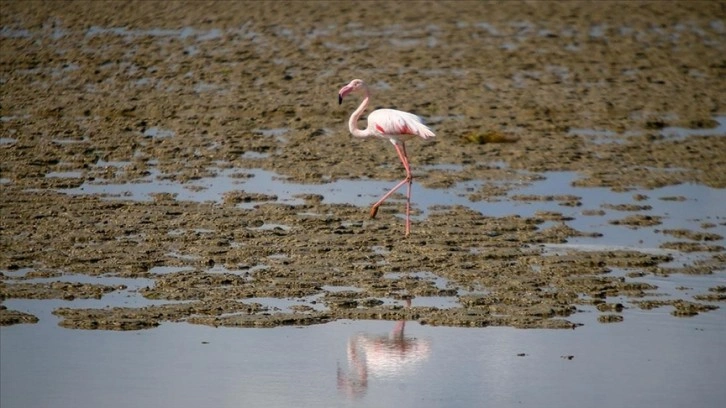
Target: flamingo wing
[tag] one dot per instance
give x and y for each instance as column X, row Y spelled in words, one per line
column 391, row 122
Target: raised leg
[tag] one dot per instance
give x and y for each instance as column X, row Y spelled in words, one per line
column 401, row 150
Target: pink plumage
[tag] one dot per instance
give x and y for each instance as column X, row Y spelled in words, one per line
column 394, row 125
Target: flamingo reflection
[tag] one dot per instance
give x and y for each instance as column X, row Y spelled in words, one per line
column 378, row 355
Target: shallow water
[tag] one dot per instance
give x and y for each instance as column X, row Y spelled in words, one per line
column 678, row 133
column 684, row 206
column 599, row 136
column 699, row 204
column 649, row 360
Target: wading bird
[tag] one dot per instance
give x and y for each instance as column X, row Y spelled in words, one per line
column 396, row 126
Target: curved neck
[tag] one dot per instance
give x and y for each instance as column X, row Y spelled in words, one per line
column 353, row 121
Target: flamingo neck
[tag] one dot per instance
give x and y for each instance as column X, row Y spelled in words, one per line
column 353, row 121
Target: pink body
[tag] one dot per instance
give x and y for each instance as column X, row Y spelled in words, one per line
column 390, row 124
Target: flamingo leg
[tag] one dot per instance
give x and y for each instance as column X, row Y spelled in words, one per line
column 409, row 177
column 401, row 150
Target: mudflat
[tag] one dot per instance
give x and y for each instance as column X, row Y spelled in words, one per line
column 629, row 95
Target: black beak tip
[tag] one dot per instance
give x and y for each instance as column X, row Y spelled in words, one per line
column 340, row 99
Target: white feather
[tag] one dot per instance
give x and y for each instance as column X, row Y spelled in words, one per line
column 391, row 122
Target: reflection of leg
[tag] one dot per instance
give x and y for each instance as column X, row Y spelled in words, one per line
column 397, row 333
column 357, row 363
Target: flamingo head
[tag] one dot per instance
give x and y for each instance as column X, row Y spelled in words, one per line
column 353, row 86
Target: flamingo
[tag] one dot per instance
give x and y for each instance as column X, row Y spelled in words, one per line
column 396, row 126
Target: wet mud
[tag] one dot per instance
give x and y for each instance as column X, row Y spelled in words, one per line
column 628, row 95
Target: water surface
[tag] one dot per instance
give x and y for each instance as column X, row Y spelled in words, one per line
column 649, row 360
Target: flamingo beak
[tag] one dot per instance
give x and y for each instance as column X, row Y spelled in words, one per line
column 344, row 91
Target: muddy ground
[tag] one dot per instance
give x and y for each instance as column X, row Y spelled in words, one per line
column 513, row 90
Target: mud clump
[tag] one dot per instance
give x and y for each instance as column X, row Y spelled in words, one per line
column 278, row 319
column 718, row 294
column 606, row 307
column 693, row 235
column 635, row 221
column 681, row 308
column 610, row 318
column 627, row 207
column 119, row 318
column 489, row 136
column 54, row 290
column 10, row 317
column 692, row 247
